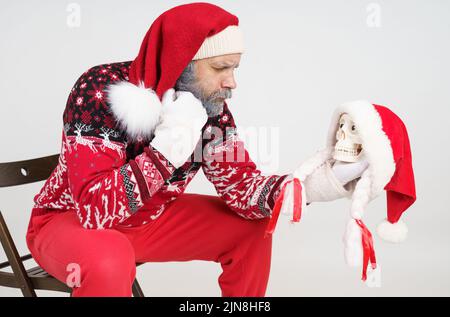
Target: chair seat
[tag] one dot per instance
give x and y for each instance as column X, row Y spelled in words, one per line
column 37, row 271
column 39, row 278
column 42, row 280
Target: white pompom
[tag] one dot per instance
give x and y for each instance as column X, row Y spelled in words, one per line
column 136, row 109
column 392, row 232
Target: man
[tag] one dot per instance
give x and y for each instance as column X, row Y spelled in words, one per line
column 130, row 146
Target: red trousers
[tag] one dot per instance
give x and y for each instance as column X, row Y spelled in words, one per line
column 193, row 227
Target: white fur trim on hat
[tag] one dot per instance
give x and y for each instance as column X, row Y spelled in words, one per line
column 361, row 195
column 228, row 41
column 136, row 109
column 392, row 232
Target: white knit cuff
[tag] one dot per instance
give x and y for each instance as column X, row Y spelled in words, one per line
column 228, row 41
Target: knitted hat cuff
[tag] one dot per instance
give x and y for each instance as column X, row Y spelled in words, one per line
column 228, row 41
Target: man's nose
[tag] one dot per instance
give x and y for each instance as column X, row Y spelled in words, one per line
column 229, row 82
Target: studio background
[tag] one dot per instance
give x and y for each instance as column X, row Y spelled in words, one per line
column 302, row 59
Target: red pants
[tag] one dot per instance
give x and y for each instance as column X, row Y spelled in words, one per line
column 193, row 227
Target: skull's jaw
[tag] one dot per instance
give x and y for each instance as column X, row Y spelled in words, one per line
column 350, row 154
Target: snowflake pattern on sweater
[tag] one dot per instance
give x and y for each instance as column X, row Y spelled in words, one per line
column 109, row 181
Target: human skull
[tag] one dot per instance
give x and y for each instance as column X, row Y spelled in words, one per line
column 348, row 147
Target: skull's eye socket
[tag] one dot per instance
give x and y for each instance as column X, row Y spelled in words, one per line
column 353, row 128
column 341, row 125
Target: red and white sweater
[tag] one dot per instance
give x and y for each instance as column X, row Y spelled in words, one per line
column 109, row 181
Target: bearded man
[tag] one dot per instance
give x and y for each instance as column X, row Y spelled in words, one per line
column 135, row 134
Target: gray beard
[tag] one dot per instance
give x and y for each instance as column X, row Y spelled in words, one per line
column 188, row 82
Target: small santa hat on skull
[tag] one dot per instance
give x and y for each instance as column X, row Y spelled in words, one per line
column 387, row 149
column 178, row 36
column 386, row 146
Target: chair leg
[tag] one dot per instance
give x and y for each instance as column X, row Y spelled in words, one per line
column 15, row 261
column 137, row 291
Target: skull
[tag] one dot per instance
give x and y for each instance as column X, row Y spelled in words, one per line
column 348, row 147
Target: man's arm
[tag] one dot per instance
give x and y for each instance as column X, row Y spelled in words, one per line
column 106, row 187
column 228, row 166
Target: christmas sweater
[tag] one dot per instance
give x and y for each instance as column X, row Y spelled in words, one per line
column 109, row 180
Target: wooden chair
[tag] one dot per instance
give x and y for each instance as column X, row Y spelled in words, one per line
column 20, row 173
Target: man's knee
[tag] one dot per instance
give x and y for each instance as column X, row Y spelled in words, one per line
column 112, row 260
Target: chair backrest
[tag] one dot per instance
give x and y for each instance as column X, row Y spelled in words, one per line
column 20, row 173
column 28, row 171
column 12, row 174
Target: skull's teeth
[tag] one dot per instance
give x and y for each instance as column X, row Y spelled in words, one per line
column 348, row 151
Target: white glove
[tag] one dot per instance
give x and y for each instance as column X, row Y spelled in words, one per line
column 323, row 185
column 346, row 172
column 182, row 120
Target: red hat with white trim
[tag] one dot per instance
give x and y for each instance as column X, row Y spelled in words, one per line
column 178, row 36
column 387, row 149
column 386, row 146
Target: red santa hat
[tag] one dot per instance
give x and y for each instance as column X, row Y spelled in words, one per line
column 385, row 143
column 178, row 36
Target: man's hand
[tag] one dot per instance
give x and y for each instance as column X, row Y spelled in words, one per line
column 182, row 119
column 326, row 183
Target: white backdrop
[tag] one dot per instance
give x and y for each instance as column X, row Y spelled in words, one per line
column 302, row 59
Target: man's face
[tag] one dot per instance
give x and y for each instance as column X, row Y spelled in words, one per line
column 217, row 73
column 211, row 80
